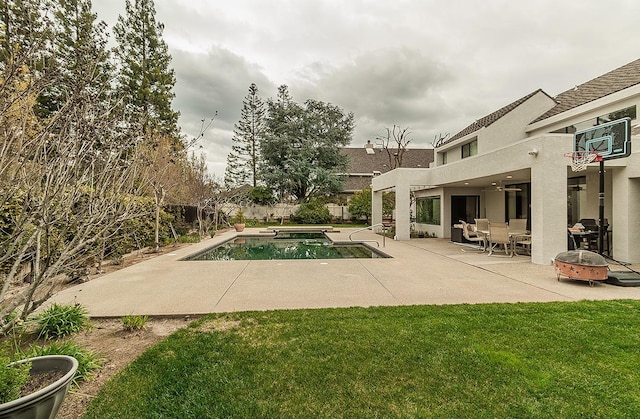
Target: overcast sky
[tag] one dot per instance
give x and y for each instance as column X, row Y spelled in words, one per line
column 431, row 66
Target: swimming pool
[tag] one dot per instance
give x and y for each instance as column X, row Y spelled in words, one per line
column 286, row 246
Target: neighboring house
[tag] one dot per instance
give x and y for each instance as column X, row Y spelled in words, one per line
column 369, row 161
column 511, row 164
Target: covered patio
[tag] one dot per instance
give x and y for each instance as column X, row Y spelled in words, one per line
column 538, row 161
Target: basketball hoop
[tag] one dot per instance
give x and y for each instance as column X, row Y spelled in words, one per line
column 580, row 159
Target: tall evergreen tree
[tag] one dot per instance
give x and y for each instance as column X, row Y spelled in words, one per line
column 244, row 159
column 79, row 55
column 25, row 33
column 279, row 143
column 145, row 75
column 301, row 149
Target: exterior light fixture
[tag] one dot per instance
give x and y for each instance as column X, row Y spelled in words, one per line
column 533, row 152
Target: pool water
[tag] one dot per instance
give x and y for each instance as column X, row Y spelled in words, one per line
column 314, row 246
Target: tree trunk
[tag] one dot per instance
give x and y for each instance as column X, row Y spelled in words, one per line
column 159, row 201
column 199, row 215
column 157, row 230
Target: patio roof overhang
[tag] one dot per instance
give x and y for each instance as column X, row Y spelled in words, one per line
column 511, row 164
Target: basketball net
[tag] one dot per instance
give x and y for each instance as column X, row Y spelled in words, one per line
column 580, row 159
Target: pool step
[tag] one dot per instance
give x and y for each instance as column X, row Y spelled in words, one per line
column 301, row 229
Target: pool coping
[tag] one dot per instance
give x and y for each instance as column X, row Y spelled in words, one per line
column 335, row 240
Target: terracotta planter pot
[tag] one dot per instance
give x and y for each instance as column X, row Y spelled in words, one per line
column 239, row 226
column 44, row 403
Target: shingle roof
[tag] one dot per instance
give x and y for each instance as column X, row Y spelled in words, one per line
column 362, row 165
column 361, row 162
column 357, row 183
column 491, row 118
column 621, row 78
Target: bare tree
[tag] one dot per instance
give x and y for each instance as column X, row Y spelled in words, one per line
column 64, row 186
column 394, row 144
column 198, row 190
column 439, row 139
column 68, row 180
column 165, row 170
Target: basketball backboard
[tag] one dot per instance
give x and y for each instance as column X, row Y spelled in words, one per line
column 611, row 140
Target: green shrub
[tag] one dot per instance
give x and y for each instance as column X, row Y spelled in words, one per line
column 135, row 233
column 239, row 218
column 262, row 195
column 312, row 212
column 88, row 361
column 252, row 222
column 189, row 238
column 7, row 319
column 61, row 320
column 360, row 205
column 12, row 379
column 132, row 322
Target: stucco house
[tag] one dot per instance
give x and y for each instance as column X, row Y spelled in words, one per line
column 511, row 164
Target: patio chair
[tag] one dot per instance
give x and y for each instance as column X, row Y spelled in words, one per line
column 499, row 234
column 470, row 234
column 523, row 240
column 482, row 224
column 518, row 225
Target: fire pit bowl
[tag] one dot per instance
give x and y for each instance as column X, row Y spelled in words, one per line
column 581, row 265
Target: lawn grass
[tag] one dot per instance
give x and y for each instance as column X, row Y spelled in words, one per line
column 577, row 359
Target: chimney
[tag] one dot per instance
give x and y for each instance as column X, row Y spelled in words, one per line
column 369, row 147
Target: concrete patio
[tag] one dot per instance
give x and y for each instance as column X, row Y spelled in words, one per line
column 421, row 271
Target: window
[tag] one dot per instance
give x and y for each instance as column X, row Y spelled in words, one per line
column 613, row 116
column 444, row 158
column 428, row 210
column 470, row 149
column 602, row 119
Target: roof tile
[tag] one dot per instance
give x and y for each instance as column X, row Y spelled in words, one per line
column 361, row 162
column 619, row 79
column 491, row 118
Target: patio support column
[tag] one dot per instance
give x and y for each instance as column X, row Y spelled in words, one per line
column 403, row 209
column 548, row 207
column 626, row 217
column 376, row 207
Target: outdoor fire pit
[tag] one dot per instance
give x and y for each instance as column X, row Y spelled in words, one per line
column 581, row 265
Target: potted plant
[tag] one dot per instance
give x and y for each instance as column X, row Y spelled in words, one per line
column 239, row 221
column 46, row 398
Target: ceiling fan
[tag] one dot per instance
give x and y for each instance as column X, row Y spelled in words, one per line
column 497, row 187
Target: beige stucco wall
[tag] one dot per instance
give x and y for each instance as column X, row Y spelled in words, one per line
column 511, row 127
column 503, row 132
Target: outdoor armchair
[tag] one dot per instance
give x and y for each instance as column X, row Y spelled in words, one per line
column 499, row 234
column 523, row 240
column 482, row 227
column 469, row 233
column 518, row 225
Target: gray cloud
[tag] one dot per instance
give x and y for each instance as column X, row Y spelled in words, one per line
column 211, row 83
column 384, row 87
column 430, row 65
